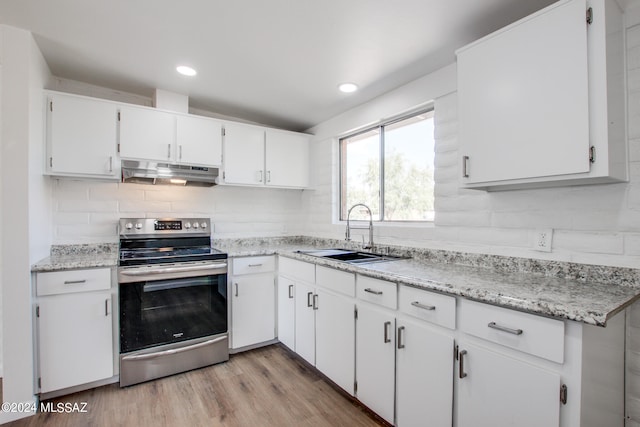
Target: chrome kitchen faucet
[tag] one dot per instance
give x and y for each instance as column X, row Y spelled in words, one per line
column 349, row 227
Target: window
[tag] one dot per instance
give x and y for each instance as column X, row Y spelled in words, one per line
column 389, row 168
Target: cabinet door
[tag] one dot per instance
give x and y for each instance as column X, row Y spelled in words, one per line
column 147, row 134
column 75, row 339
column 286, row 312
column 523, row 98
column 424, row 377
column 253, row 309
column 501, row 391
column 335, row 338
column 287, row 159
column 82, row 136
column 243, row 154
column 305, row 323
column 199, row 141
column 375, row 360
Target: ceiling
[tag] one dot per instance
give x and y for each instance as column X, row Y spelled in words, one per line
column 275, row 62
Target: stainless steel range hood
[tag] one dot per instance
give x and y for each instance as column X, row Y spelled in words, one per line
column 145, row 172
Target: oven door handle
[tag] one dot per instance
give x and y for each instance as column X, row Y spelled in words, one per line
column 144, row 271
column 174, row 350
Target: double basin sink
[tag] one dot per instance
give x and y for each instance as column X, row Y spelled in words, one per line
column 350, row 256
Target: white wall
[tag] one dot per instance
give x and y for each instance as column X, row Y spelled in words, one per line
column 597, row 224
column 24, row 73
column 88, row 211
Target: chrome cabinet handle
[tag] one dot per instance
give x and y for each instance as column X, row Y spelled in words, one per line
column 465, row 166
column 260, row 180
column 371, row 291
column 494, row 325
column 75, row 282
column 315, row 301
column 400, row 337
column 110, row 163
column 387, row 325
column 106, row 307
column 180, row 146
column 423, row 306
column 290, row 291
column 309, row 299
column 461, row 372
column 268, row 176
column 236, row 288
column 255, row 265
column 168, row 151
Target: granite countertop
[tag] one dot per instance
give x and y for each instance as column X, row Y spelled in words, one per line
column 582, row 293
column 585, row 293
column 72, row 257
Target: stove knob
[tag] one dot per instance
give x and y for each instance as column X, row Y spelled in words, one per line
column 196, row 225
column 138, row 226
column 128, row 226
column 187, row 225
column 203, row 225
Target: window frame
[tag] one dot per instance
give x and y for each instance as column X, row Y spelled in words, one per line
column 343, row 209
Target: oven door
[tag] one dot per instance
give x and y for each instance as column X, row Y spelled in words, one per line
column 166, row 304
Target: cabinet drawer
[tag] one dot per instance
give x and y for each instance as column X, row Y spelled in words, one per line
column 378, row 291
column 336, row 280
column 429, row 306
column 294, row 269
column 529, row 333
column 66, row 282
column 254, row 264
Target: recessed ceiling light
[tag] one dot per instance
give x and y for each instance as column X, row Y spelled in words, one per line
column 348, row 87
column 186, row 71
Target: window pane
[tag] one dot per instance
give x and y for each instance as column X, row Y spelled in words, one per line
column 408, row 169
column 360, row 164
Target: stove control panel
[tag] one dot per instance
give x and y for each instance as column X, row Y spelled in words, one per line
column 163, row 226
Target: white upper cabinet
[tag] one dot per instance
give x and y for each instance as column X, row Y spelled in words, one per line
column 150, row 134
column 147, row 134
column 81, row 136
column 541, row 102
column 287, row 159
column 198, row 141
column 243, row 154
column 260, row 156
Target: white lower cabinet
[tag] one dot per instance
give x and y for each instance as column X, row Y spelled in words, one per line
column 335, row 338
column 429, row 359
column 424, row 375
column 375, row 360
column 305, row 322
column 519, row 369
column 74, row 328
column 324, row 327
column 286, row 312
column 253, row 318
column 497, row 390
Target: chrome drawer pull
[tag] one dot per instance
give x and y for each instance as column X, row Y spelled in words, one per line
column 74, row 282
column 371, row 291
column 461, row 373
column 387, row 325
column 290, row 291
column 255, row 265
column 309, row 295
column 494, row 325
column 401, row 337
column 423, row 306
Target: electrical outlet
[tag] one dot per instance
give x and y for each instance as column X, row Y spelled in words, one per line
column 542, row 239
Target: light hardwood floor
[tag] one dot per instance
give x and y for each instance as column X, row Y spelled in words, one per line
column 269, row 386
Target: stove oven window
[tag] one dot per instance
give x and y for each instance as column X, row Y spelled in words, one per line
column 160, row 312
